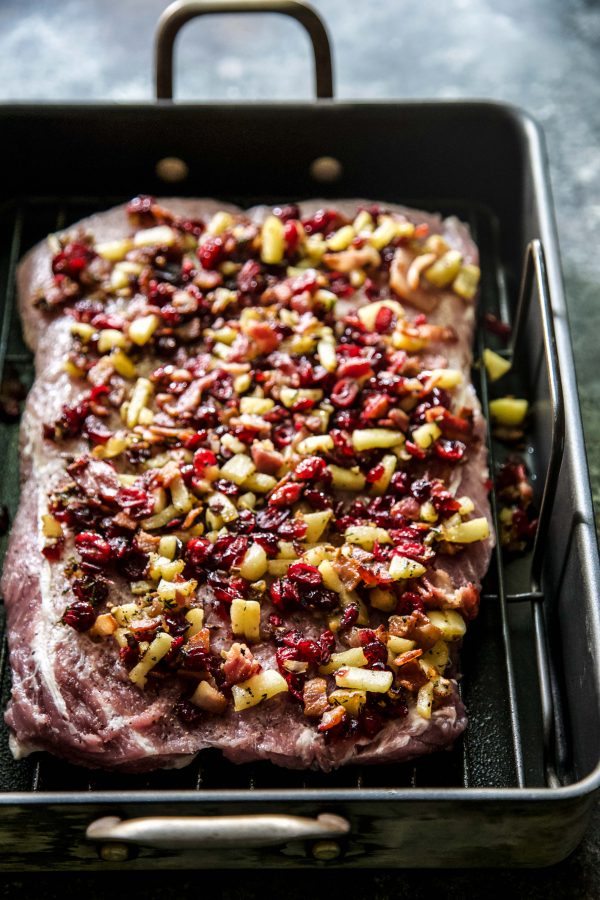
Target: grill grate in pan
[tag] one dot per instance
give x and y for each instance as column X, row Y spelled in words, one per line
column 503, row 746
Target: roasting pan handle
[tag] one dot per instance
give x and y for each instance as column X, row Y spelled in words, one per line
column 177, row 14
column 188, row 832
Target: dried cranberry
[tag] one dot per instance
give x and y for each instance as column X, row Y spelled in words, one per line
column 285, row 495
column 198, row 550
column 374, row 650
column 79, row 615
column 173, row 651
column 450, row 450
column 310, row 468
column 400, row 483
column 408, row 602
column 344, row 393
column 415, row 450
column 72, row 260
column 195, row 658
column 93, row 548
column 342, row 443
column 91, row 590
column 283, row 435
column 318, row 598
column 133, row 566
column 354, row 368
column 323, row 221
column 495, row 326
column 271, row 519
column 384, row 320
column 210, row 253
column 370, row 722
column 137, row 502
column 302, row 573
column 188, row 712
column 421, row 489
column 317, row 499
column 284, row 592
column 250, row 279
column 375, row 473
column 203, row 459
column 222, row 386
column 129, row 655
column 95, row 430
column 231, row 555
column 287, row 212
column 291, row 235
column 349, row 616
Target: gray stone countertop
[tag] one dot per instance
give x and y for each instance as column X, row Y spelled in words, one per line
column 543, row 55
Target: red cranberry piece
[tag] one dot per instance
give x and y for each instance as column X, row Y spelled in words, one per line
column 129, row 655
column 302, row 573
column 323, row 221
column 354, row 368
column 271, row 519
column 310, row 468
column 375, row 407
column 291, row 236
column 133, row 566
column 318, row 598
column 495, row 326
column 188, row 713
column 340, row 286
column 250, row 279
column 198, row 550
column 203, row 459
column 93, row 548
column 370, row 722
column 400, row 483
column 210, row 253
column 285, row 495
column 136, row 502
column 408, row 602
column 287, row 212
column 283, row 435
column 195, row 658
column 79, row 615
column 233, row 554
column 450, row 450
column 344, row 393
column 349, row 616
column 317, row 499
column 95, row 429
column 72, row 260
column 414, row 450
column 342, row 443
column 375, row 473
column 384, row 320
column 222, row 386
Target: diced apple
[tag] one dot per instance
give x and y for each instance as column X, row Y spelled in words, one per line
column 83, row 330
column 316, row 523
column 245, row 619
column 160, row 519
column 466, row 282
column 384, row 600
column 352, row 701
column 195, row 617
column 181, row 497
column 168, row 546
column 141, row 329
column 327, row 355
column 384, row 234
column 467, row 532
column 466, row 506
column 208, row 698
column 315, row 443
column 389, row 463
column 445, row 269
column 258, row 688
column 425, row 700
column 347, row 479
column 509, row 411
column 363, row 221
column 428, row 512
column 260, row 483
column 168, row 590
column 403, row 567
column 366, row 536
column 425, row 435
column 254, row 563
column 446, row 378
column 159, row 647
column 142, row 391
column 272, row 241
column 278, row 567
column 122, row 364
column 219, row 223
column 51, row 527
column 451, row 623
column 114, row 251
column 378, row 682
column 353, row 657
column 109, row 338
column 330, row 577
column 437, row 656
column 341, row 239
column 223, row 507
column 256, row 406
column 161, row 235
column 376, row 438
column 238, row 468
column 496, row 366
column 290, row 396
column 399, row 645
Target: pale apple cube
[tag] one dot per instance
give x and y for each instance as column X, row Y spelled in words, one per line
column 160, row 236
column 142, row 391
column 425, row 435
column 403, row 567
column 51, row 527
column 445, row 269
column 254, row 563
column 141, row 329
column 437, row 656
column 399, row 645
column 159, row 647
column 316, row 523
column 195, row 617
column 114, row 251
column 467, row 532
column 378, row 682
column 258, row 688
column 384, row 234
column 272, row 241
column 327, row 355
column 428, row 512
column 256, row 406
column 383, row 599
column 245, row 619
column 467, row 281
column 353, row 657
column 219, row 223
column 209, row 698
column 425, row 700
column 446, row 378
column 366, row 536
column 159, row 519
column 347, row 479
column 278, row 567
column 352, row 701
column 260, row 483
column 313, row 444
column 389, row 463
column 466, row 506
column 168, row 546
column 495, row 365
column 223, row 507
column 83, row 330
column 238, row 468
column 181, row 497
column 122, row 364
column 376, row 438
column 330, row 577
column 509, row 411
column 449, row 621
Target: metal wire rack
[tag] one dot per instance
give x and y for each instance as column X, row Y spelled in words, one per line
column 516, row 735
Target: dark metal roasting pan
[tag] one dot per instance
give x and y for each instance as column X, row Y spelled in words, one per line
column 518, row 789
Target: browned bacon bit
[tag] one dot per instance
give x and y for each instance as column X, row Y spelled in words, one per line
column 518, row 524
column 496, row 326
column 415, row 627
column 239, row 664
column 314, row 697
column 332, row 719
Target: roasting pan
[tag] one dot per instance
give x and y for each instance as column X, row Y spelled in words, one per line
column 518, row 789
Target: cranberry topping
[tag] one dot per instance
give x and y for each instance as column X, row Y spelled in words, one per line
column 79, row 615
column 93, row 548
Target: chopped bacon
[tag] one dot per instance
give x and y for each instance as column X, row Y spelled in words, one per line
column 239, row 664
column 97, row 479
column 415, row 627
column 266, row 458
column 411, row 676
column 468, row 601
column 314, row 696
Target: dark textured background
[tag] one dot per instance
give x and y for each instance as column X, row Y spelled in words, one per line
column 543, row 55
